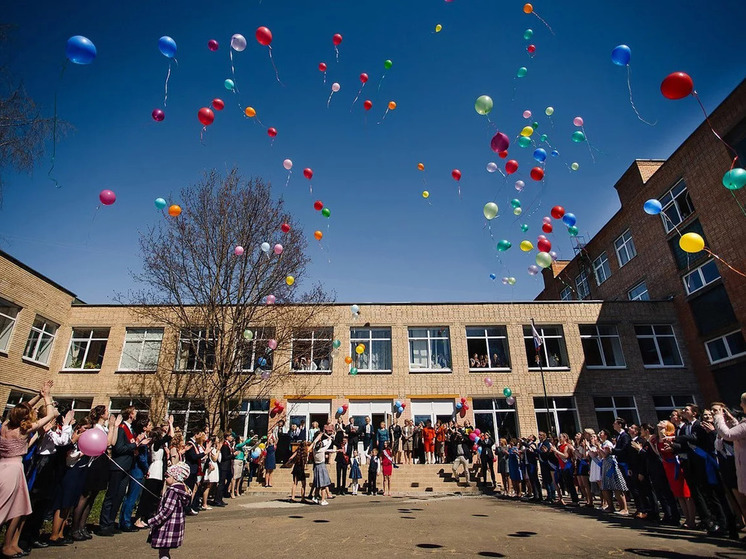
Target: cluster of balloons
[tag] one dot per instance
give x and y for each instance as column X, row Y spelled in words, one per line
column 399, row 405
column 341, row 410
column 360, row 349
column 462, row 406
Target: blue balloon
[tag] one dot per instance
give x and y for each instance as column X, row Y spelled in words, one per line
column 80, row 50
column 397, row 404
column 459, row 405
column 256, row 453
column 569, row 219
column 340, row 410
column 555, row 153
column 540, row 155
column 167, row 46
column 621, row 55
column 160, row 203
column 652, row 207
column 492, row 276
column 261, row 361
column 400, row 409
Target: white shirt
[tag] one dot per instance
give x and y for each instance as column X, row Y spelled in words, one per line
column 53, row 438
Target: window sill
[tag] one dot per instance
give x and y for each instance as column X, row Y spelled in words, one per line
column 663, row 367
column 80, row 370
column 490, row 370
column 190, row 371
column 549, row 368
column 3, row 353
column 35, row 363
column 135, row 372
column 374, row 372
column 730, row 358
column 310, row 372
column 430, row 371
column 603, row 368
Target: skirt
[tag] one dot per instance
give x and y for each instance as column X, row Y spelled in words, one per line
column 611, row 476
column 213, row 473
column 270, row 461
column 387, row 469
column 70, row 487
column 237, row 469
column 407, row 445
column 595, row 474
column 321, row 476
column 355, row 472
column 14, row 498
column 98, row 475
column 299, row 474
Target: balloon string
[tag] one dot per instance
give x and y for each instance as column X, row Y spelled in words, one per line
column 743, row 211
column 329, row 100
column 707, row 118
column 233, row 71
column 129, row 476
column 324, row 77
column 54, row 127
column 168, row 76
column 272, row 60
column 545, row 23
column 590, row 148
column 288, row 181
column 384, row 116
column 708, row 251
column 202, row 135
column 381, row 81
column 359, row 91
column 336, row 51
column 631, row 101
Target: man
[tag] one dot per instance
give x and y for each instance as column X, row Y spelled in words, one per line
column 225, row 468
column 532, row 467
column 635, row 466
column 352, row 434
column 302, row 433
column 342, row 460
column 547, row 472
column 368, row 434
column 461, row 451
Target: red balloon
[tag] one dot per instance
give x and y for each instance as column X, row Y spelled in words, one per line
column 367, row 104
column 456, row 174
column 218, row 104
column 511, row 166
column 264, row 36
column 318, row 205
column 547, row 228
column 158, row 115
column 403, row 405
column 285, row 228
column 544, row 245
column 212, row 44
column 537, row 173
column 557, row 212
column 337, row 39
column 272, row 132
column 363, row 77
column 500, row 142
column 531, row 48
column 206, row 116
column 322, row 66
column 308, row 173
column 677, row 86
column 503, row 154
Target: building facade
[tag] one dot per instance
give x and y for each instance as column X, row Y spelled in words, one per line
column 636, row 256
column 434, row 361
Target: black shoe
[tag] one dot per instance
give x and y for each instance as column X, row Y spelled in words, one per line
column 39, row 544
column 57, row 543
column 220, row 504
column 128, row 529
column 86, row 534
column 79, row 536
column 106, row 532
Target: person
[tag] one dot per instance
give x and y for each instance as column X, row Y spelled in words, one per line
column 502, row 464
column 514, row 471
column 382, row 436
column 321, row 480
column 582, row 445
column 225, row 469
column 353, row 434
column 440, row 442
column 239, row 462
column 302, row 434
column 282, row 442
column 168, row 524
column 313, row 431
column 461, row 452
column 355, row 473
column 387, row 466
column 160, row 437
column 733, row 431
column 138, row 471
column 396, row 434
column 16, row 432
column 210, row 476
column 374, row 467
column 294, row 433
column 342, row 460
column 428, row 442
column 565, row 453
column 612, row 479
column 270, row 460
column 406, row 437
column 596, row 463
column 298, row 459
column 193, row 457
column 674, row 474
column 654, row 488
column 531, row 454
column 418, row 451
column 488, row 458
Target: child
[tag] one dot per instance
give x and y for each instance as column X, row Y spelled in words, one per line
column 298, row 459
column 167, row 526
column 355, row 473
column 374, row 464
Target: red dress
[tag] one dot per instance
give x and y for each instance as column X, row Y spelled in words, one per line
column 428, row 437
column 674, row 473
column 387, row 464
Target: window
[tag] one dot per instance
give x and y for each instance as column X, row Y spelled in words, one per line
column 552, row 352
column 685, row 260
column 566, row 294
column 81, row 406
column 141, row 404
column 487, row 347
column 664, row 405
column 677, row 206
column 189, row 415
column 87, row 347
column 255, row 351
column 601, row 346
column 608, row 408
column 377, row 355
column 625, row 248
column 312, row 349
column 16, row 397
column 196, row 350
column 581, row 285
column 40, row 340
column 310, row 411
column 658, row 345
column 639, row 292
column 429, row 349
column 432, row 410
column 726, row 347
column 601, row 268
column 702, row 306
column 495, row 416
column 142, row 346
column 701, row 276
column 253, row 415
column 558, row 414
column 8, row 314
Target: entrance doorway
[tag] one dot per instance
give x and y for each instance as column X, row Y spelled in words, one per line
column 308, row 411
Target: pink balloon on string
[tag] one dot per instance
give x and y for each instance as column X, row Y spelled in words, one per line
column 238, row 251
column 93, row 442
column 278, row 249
column 272, row 344
column 270, row 299
column 577, row 121
column 107, row 197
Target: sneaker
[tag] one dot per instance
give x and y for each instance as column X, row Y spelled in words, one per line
column 206, row 507
column 324, row 503
column 315, row 500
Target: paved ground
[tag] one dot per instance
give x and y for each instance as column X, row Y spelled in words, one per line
column 362, row 527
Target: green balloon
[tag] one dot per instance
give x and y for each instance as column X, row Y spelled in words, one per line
column 504, row 245
column 353, row 371
column 515, row 202
column 507, row 392
column 524, row 227
column 543, row 138
column 522, row 71
column 574, row 166
column 490, row 210
column 734, row 179
column 326, row 212
column 578, row 136
column 544, row 259
column 483, row 104
column 388, row 64
column 511, row 280
column 528, row 33
column 248, row 334
column 534, row 125
column 573, row 231
column 549, row 111
column 524, row 141
column 336, row 343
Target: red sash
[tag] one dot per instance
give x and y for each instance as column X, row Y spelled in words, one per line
column 127, row 433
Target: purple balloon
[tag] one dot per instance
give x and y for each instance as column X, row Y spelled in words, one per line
column 93, row 442
column 500, row 142
column 107, row 197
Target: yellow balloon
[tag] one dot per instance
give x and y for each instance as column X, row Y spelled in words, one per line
column 250, row 112
column 262, row 446
column 517, row 211
column 290, row 280
column 526, row 246
column 438, row 28
column 527, row 131
column 425, row 194
column 360, row 349
column 691, row 242
column 392, row 105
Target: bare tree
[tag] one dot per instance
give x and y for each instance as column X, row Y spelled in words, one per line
column 228, row 341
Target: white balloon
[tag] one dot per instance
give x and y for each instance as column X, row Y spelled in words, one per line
column 265, row 247
column 491, row 167
column 519, row 185
column 288, row 164
column 335, row 87
column 238, row 42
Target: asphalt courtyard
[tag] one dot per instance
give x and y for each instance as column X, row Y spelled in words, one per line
column 362, row 526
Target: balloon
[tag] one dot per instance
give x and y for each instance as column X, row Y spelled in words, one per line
column 80, row 50
column 229, row 85
column 526, row 246
column 490, row 210
column 557, row 212
column 318, row 235
column 488, row 382
column 691, row 242
column 524, row 141
column 336, row 39
column 578, row 121
column 524, row 227
column 456, row 174
column 510, row 400
column 285, row 228
column 527, row 131
column 360, row 349
column 533, row 269
column 354, row 309
column 511, row 166
column 531, row 49
column 272, row 344
column 522, row 71
column 160, row 203
column 578, row 136
column 322, row 67
column 543, row 138
column 212, row 44
column 734, row 179
column 569, row 219
column 573, row 231
column 205, row 116
column 353, row 371
column 218, row 104
column 364, row 77
column 528, row 33
column 367, row 104
column 438, row 28
column 574, row 166
column 493, row 276
column 265, row 247
column 348, row 359
column 326, row 212
column 505, row 281
column 308, row 173
column 527, row 9
column 500, row 142
column 238, row 42
column 318, row 205
column 271, row 132
column 677, row 86
column 290, row 280
column 526, row 114
column 107, row 197
column 502, row 154
column 507, row 392
column 555, row 153
column 543, row 259
column 540, row 237
column 158, row 115
column 515, row 203
column 174, row 210
column 263, row 36
column 400, row 409
column 537, row 173
column 547, row 228
column 517, row 211
column 549, row 111
column 491, row 167
column 340, row 410
column 238, row 251
column 256, row 453
column 540, row 155
column 503, row 245
column 477, row 432
column 93, row 442
column 277, row 249
column 250, row 112
column 621, row 55
column 248, row 335
column 167, row 46
column 265, row 375
column 387, row 64
column 652, row 207
column 483, row 104
column 335, row 87
column 271, row 299
column 554, row 255
column 425, row 194
column 459, row 405
column 392, row 105
column 520, row 185
column 288, row 164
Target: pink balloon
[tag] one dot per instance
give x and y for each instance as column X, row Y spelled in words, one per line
column 577, row 121
column 547, row 219
column 488, row 382
column 270, row 299
column 478, row 432
column 93, row 442
column 526, row 114
column 278, row 249
column 272, row 344
column 238, row 251
column 107, row 197
column 212, row 44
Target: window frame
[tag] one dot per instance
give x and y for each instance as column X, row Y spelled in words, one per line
column 313, row 341
column 89, row 340
column 430, row 339
column 638, row 297
column 597, row 336
column 187, row 412
column 486, row 337
column 655, row 337
column 724, row 337
column 601, row 263
column 552, row 411
column 245, row 413
column 566, row 294
column 10, row 326
column 74, row 402
column 582, row 280
column 668, row 224
column 498, row 407
column 203, row 340
column 261, row 335
column 33, row 358
column 627, row 245
column 142, row 343
column 368, row 343
column 673, row 406
column 528, row 335
column 698, row 271
column 618, row 410
column 135, row 401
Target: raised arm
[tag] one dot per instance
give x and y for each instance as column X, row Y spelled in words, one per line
column 51, row 411
column 735, row 433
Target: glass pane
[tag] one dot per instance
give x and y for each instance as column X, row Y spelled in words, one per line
column 587, row 329
column 607, row 330
column 301, row 355
column 506, row 425
column 150, row 352
column 545, row 421
column 496, row 331
column 648, row 351
column 177, row 405
column 381, row 333
column 717, row 350
column 603, row 402
column 663, row 329
column 662, row 402
column 359, row 334
column 624, row 402
column 101, row 333
column 605, row 420
column 644, row 330
column 736, row 343
column 563, row 402
column 130, row 355
column 6, row 327
column 669, row 351
column 592, row 352
column 499, row 353
column 474, row 332
column 482, row 404
column 530, row 352
column 441, row 354
column 418, row 333
column 30, row 349
column 567, row 422
column 693, row 282
column 418, row 358
column 421, row 419
column 95, row 354
column 556, row 352
column 118, row 404
column 484, row 422
column 259, row 405
column 710, row 271
column 612, row 351
column 477, row 349
column 380, row 355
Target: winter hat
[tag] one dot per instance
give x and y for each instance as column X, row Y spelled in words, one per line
column 178, row 471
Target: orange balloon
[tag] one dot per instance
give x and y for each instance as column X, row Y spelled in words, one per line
column 392, row 105
column 421, row 166
column 528, row 8
column 174, row 210
column 348, row 359
column 250, row 112
column 318, row 235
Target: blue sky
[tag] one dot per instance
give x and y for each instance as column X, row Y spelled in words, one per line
column 384, row 242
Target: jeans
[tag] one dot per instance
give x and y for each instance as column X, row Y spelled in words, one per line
column 115, row 492
column 461, row 461
column 133, row 494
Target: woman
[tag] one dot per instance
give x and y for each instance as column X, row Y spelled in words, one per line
column 160, row 437
column 407, row 443
column 396, row 434
column 674, row 473
column 176, row 449
column 502, row 464
column 565, row 453
column 387, row 467
column 139, row 470
column 611, row 476
column 239, row 459
column 583, row 466
column 732, row 433
column 298, row 459
column 514, row 469
column 313, row 431
column 417, row 448
column 270, row 460
column 70, row 487
column 440, row 442
column 211, row 474
column 16, row 432
column 428, row 442
column 382, row 436
column 194, row 455
column 488, row 458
